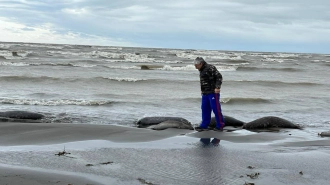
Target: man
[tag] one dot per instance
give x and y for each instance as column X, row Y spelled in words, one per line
column 210, row 80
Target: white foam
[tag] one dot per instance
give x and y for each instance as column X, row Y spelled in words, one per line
column 108, row 47
column 192, row 68
column 41, row 46
column 138, row 58
column 105, row 54
column 186, row 55
column 5, row 46
column 126, row 79
column 168, row 61
column 123, row 67
column 210, row 55
column 72, row 64
column 286, row 55
column 184, row 68
column 69, row 53
column 226, row 68
column 272, row 60
column 54, row 102
column 13, row 64
column 6, row 54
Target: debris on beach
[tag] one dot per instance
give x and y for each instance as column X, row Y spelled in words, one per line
column 248, row 183
column 142, row 181
column 110, row 162
column 251, row 167
column 301, row 173
column 253, row 175
column 105, row 163
column 62, row 153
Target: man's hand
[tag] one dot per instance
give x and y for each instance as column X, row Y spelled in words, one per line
column 217, row 91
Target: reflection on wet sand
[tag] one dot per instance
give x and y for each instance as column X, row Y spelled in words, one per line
column 208, row 142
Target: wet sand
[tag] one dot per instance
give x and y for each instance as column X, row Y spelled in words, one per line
column 17, row 175
column 110, row 154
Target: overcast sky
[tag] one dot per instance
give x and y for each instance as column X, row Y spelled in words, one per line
column 249, row 25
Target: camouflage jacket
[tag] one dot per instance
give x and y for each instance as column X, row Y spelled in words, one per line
column 210, row 78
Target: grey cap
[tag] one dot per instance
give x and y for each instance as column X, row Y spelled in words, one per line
column 199, row 60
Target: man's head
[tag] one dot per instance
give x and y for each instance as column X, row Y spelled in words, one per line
column 199, row 61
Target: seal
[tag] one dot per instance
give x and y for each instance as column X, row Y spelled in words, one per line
column 148, row 121
column 325, row 134
column 229, row 121
column 171, row 124
column 270, row 122
column 21, row 115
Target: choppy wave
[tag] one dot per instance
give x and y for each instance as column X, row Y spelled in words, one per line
column 127, row 67
column 125, row 79
column 47, row 78
column 244, row 100
column 236, row 61
column 273, row 83
column 128, row 57
column 177, row 68
column 63, row 64
column 26, row 78
column 123, row 67
column 55, row 102
column 13, row 64
column 209, row 54
column 285, row 69
column 192, row 68
column 233, row 100
column 68, row 64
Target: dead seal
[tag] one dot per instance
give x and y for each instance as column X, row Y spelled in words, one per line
column 148, row 121
column 229, row 121
column 325, row 134
column 171, row 124
column 21, row 115
column 270, row 122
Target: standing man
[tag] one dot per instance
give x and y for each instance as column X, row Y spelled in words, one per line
column 210, row 80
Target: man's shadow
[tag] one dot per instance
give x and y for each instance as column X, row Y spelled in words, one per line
column 209, row 142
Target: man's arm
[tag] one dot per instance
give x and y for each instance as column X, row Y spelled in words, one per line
column 218, row 78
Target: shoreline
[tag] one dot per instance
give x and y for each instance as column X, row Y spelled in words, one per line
column 111, row 154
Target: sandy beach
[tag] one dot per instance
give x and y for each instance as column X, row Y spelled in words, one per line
column 41, row 153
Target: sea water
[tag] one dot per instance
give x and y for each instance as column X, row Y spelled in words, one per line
column 119, row 85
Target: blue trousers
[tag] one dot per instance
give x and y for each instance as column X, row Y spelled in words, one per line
column 211, row 102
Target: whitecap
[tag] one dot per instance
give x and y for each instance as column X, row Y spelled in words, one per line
column 192, row 68
column 13, row 64
column 123, row 67
column 184, row 68
column 126, row 79
column 56, row 102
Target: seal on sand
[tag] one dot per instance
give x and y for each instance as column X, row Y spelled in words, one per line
column 229, row 121
column 325, row 134
column 270, row 122
column 148, row 121
column 21, row 115
column 171, row 124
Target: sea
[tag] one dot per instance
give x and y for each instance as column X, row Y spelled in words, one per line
column 87, row 84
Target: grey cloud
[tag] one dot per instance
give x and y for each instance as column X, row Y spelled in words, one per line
column 263, row 20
